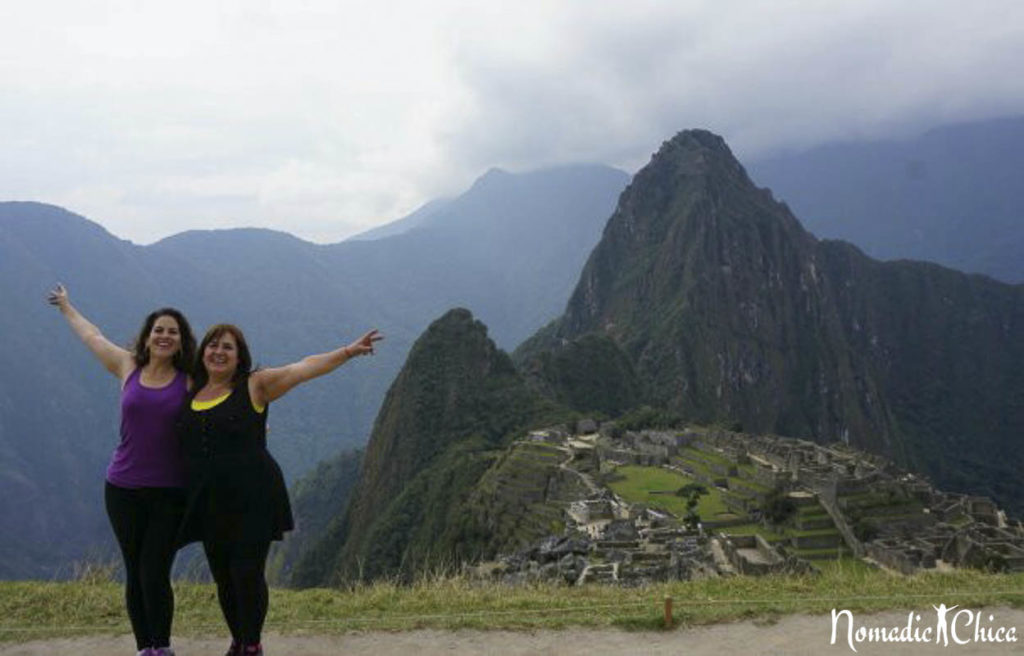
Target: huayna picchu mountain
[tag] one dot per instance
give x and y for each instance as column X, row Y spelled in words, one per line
column 448, row 416
column 713, row 302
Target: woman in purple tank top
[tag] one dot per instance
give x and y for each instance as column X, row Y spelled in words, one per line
column 144, row 488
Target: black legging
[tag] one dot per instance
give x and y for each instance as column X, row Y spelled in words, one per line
column 145, row 522
column 239, row 571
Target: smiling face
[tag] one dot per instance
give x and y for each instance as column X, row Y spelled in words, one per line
column 164, row 340
column 223, row 353
column 220, row 357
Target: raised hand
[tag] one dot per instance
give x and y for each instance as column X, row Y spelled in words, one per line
column 115, row 359
column 364, row 345
column 270, row 384
column 58, row 296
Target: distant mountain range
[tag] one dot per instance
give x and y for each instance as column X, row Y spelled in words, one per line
column 707, row 300
column 510, row 247
column 950, row 196
column 705, row 297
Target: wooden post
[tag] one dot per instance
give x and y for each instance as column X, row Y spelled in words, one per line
column 668, row 611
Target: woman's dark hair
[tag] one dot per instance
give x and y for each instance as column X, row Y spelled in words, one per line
column 186, row 355
column 201, row 376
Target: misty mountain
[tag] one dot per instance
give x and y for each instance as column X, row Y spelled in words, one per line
column 705, row 299
column 417, row 218
column 509, row 248
column 456, row 401
column 704, row 295
column 58, row 408
column 951, row 195
column 720, row 307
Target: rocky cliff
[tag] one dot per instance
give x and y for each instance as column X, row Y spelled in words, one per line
column 728, row 310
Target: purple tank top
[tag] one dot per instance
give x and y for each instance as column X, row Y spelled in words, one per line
column 149, row 454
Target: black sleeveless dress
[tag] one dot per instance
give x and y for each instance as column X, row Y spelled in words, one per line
column 236, row 492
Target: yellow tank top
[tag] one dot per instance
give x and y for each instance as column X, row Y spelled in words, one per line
column 199, row 406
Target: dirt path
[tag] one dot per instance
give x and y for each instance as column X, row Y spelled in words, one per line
column 791, row 636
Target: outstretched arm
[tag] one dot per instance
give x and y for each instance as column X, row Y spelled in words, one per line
column 268, row 385
column 115, row 359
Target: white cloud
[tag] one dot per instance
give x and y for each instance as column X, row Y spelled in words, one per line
column 324, row 118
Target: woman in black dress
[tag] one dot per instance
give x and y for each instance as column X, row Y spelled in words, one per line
column 238, row 502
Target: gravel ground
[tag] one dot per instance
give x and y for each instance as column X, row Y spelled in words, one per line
column 791, row 636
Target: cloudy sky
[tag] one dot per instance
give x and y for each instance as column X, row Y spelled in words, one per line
column 325, row 118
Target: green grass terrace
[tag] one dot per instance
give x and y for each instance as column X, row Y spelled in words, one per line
column 655, row 487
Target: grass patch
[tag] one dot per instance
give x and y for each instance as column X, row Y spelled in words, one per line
column 811, row 532
column 751, row 486
column 812, row 510
column 707, row 456
column 749, row 470
column 34, row 610
column 846, row 566
column 751, row 529
column 817, row 555
column 541, row 450
column 697, row 466
column 635, row 484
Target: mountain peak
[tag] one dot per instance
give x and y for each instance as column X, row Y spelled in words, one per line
column 492, row 178
column 46, row 220
column 245, row 235
column 457, row 390
column 690, row 216
column 455, row 331
column 696, row 152
column 699, row 139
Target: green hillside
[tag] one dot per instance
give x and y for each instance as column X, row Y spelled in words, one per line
column 456, row 403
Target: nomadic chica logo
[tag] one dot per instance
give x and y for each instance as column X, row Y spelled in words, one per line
column 945, row 628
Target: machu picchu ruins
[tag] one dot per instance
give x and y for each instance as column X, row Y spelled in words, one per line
column 595, row 503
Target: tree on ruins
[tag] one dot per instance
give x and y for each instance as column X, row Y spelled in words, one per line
column 692, row 492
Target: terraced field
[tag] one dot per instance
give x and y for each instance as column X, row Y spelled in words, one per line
column 809, row 533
